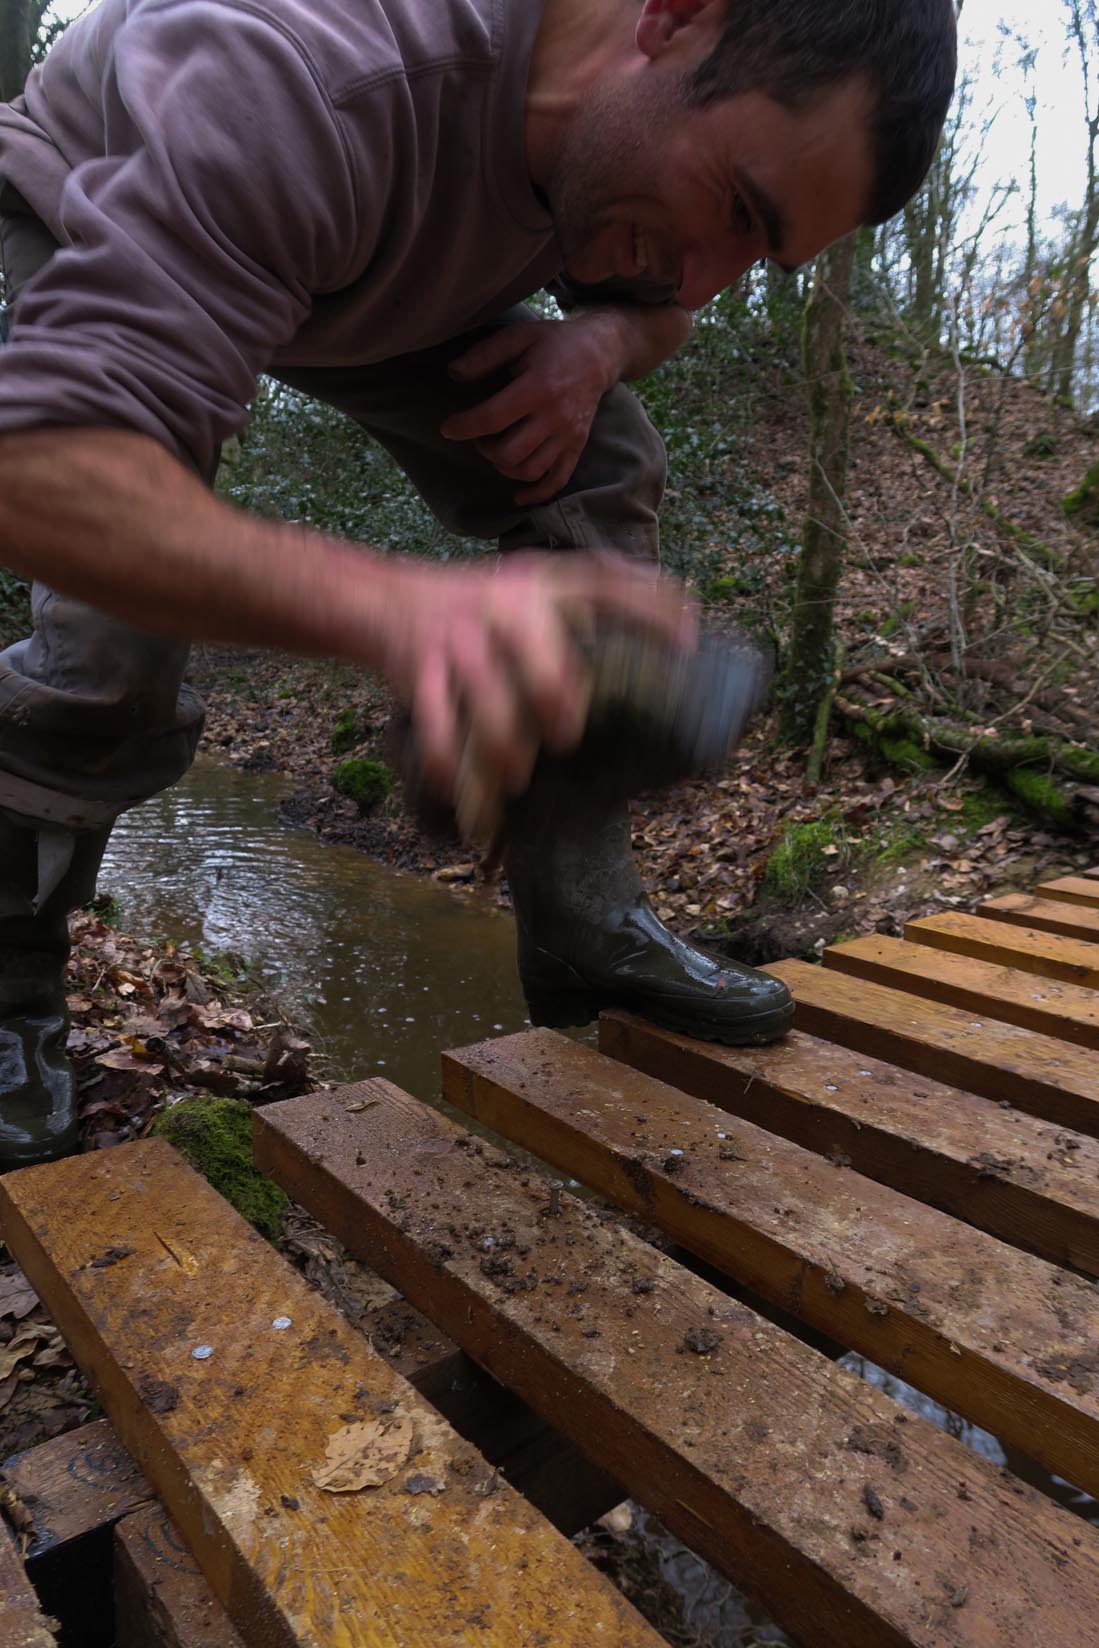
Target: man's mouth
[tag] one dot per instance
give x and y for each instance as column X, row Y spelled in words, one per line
column 640, row 251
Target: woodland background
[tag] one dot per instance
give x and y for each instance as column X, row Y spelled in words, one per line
column 887, row 466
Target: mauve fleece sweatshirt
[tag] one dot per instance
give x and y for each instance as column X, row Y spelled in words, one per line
column 241, row 184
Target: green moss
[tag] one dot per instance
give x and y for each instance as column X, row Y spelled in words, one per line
column 346, row 732
column 808, row 855
column 1042, row 794
column 904, row 752
column 1044, row 445
column 367, row 783
column 1083, row 504
column 215, row 1135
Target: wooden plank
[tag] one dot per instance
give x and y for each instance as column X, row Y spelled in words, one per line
column 984, row 989
column 231, row 1439
column 161, row 1597
column 1019, row 1178
column 73, row 1486
column 1048, row 954
column 1043, row 915
column 22, row 1624
column 999, row 1061
column 764, row 1456
column 1072, row 890
column 984, row 1329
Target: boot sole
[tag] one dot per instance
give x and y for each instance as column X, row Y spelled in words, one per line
column 569, row 1009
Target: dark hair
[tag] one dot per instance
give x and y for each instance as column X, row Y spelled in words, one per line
column 797, row 50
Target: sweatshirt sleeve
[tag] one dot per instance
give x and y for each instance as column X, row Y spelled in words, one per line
column 224, row 202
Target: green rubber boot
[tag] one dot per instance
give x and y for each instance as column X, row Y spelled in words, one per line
column 588, row 938
column 37, row 1082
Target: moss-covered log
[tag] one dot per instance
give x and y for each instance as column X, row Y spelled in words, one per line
column 1057, row 780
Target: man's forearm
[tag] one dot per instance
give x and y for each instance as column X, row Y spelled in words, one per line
column 637, row 337
column 113, row 519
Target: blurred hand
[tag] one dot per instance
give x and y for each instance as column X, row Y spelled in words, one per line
column 487, row 661
column 535, row 429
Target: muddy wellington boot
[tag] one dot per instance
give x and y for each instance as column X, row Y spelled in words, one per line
column 37, row 1082
column 588, row 938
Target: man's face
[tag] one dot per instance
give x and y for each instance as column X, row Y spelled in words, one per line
column 645, row 186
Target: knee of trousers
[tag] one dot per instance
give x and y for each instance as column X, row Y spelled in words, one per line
column 91, row 708
column 613, row 498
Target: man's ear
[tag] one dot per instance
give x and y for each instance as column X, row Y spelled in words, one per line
column 661, row 21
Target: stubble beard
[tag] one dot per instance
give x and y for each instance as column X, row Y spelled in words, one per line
column 599, row 165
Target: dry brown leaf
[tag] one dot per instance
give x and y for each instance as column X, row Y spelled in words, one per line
column 17, row 1297
column 365, row 1454
column 121, row 1058
column 23, row 1344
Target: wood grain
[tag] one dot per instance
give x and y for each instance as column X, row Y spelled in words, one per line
column 983, row 988
column 73, row 1485
column 1048, row 954
column 855, row 1523
column 161, row 1597
column 22, row 1624
column 1072, row 890
column 1024, row 1180
column 1043, row 915
column 141, row 1263
column 1038, row 1074
column 1003, row 1338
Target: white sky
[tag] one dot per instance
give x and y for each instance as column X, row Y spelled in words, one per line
column 1057, row 83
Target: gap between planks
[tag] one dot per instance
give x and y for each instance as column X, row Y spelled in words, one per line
column 1043, row 915
column 1072, row 890
column 855, row 1523
column 227, row 1378
column 984, row 989
column 1017, row 1068
column 1021, row 1179
column 1001, row 1337
column 1050, row 955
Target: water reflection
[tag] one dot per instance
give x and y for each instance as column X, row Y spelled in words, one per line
column 385, row 970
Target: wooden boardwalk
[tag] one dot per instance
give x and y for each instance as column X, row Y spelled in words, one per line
column 913, row 1176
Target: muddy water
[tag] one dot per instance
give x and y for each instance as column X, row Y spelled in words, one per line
column 384, row 970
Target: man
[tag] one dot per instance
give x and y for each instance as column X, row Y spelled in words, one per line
column 354, row 197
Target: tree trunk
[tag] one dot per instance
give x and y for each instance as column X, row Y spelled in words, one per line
column 809, row 672
column 15, row 47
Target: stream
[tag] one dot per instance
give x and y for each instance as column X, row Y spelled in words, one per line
column 384, row 972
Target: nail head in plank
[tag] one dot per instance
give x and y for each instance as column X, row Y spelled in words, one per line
column 1022, row 1179
column 999, row 1336
column 761, row 1454
column 1043, row 916
column 74, row 1485
column 1048, row 954
column 227, row 1377
column 22, row 1624
column 1034, row 1073
column 161, row 1597
column 983, row 988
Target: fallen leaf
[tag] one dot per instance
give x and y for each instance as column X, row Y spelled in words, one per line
column 365, row 1454
column 17, row 1297
column 121, row 1058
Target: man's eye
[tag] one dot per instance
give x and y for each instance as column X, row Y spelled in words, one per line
column 740, row 215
